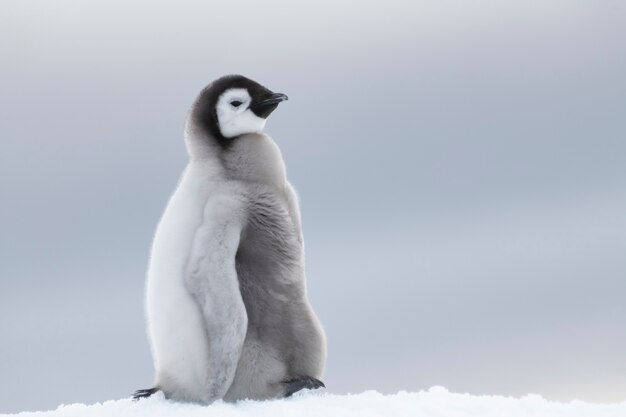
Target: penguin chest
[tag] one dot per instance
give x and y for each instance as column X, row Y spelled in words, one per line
column 175, row 232
column 175, row 324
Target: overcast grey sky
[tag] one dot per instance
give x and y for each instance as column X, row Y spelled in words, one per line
column 461, row 166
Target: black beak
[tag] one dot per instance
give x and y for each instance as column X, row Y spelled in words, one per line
column 273, row 98
column 267, row 104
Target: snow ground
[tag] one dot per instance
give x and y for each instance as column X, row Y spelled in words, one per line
column 436, row 402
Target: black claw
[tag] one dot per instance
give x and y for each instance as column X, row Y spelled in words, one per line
column 144, row 393
column 305, row 382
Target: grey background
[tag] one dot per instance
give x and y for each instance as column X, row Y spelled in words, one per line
column 461, row 166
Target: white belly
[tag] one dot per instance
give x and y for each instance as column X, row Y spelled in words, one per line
column 175, row 325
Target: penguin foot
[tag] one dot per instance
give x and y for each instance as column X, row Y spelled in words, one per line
column 144, row 393
column 304, row 382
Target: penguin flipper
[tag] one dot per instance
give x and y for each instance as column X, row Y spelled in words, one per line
column 212, row 280
column 304, row 382
column 144, row 393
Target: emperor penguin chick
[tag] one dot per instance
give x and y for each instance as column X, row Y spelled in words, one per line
column 227, row 310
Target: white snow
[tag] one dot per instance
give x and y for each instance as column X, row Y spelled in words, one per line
column 436, row 402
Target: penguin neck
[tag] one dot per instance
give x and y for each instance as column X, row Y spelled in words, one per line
column 201, row 146
column 251, row 158
column 254, row 158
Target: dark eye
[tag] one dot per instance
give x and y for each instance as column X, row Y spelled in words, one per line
column 236, row 103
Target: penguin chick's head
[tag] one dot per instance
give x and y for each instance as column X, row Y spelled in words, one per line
column 234, row 105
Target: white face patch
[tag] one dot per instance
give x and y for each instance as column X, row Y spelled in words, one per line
column 234, row 116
